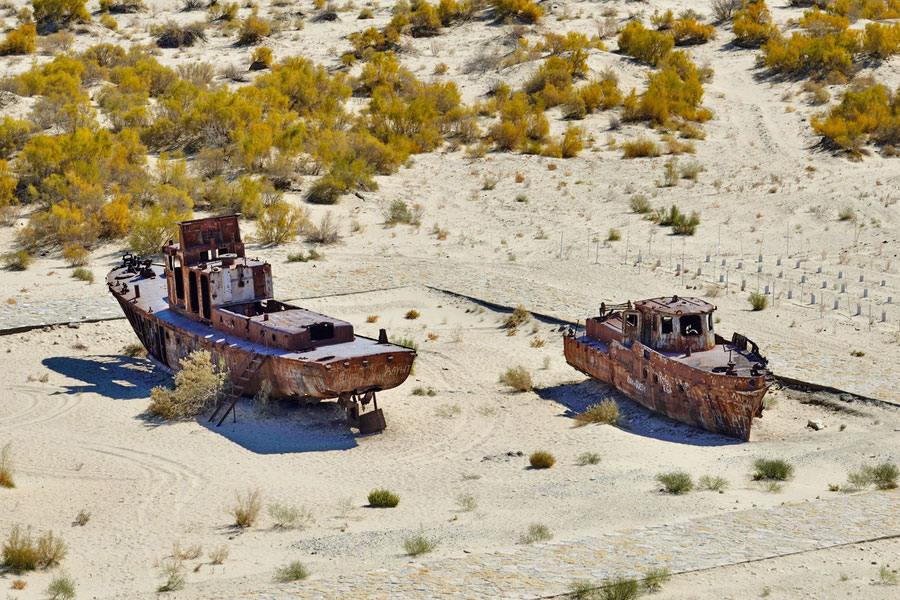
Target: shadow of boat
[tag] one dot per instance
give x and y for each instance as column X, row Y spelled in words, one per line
column 576, row 397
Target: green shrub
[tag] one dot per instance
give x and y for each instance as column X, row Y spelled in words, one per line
column 23, row 552
column 415, row 545
column 83, row 274
column 19, row 41
column 517, row 378
column 614, row 235
column 712, row 483
column 61, row 587
column 18, row 260
column 198, row 385
column 175, row 579
column 290, row 517
column 621, row 588
column 605, row 412
column 293, row 571
column 885, row 476
column 122, row 6
column 772, row 469
column 152, row 228
column 400, row 212
column 588, row 458
column 383, row 498
column 639, row 204
column 537, row 532
column 654, row 579
column 246, row 508
column 676, row 482
column 541, row 460
column 758, row 301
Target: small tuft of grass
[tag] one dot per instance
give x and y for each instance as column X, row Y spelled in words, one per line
column 588, row 458
column 885, row 476
column 174, row 578
column 857, row 353
column 639, row 204
column 19, row 584
column 522, row 199
column 383, row 498
column 606, row 412
column 770, row 469
column 641, row 147
column 83, row 274
column 247, row 507
column 541, row 460
column 293, row 571
column 415, row 545
column 655, row 578
column 713, row 483
column 82, row 518
column 772, row 487
column 466, row 502
column 6, row 466
column 134, row 351
column 614, row 235
column 372, row 319
column 412, row 315
column 218, row 554
column 621, row 588
column 518, row 317
column 517, row 378
column 290, row 517
column 489, row 183
column 304, row 257
column 758, row 301
column 847, row 214
column 61, row 587
column 887, row 576
column 676, row 482
column 584, row 590
column 537, row 532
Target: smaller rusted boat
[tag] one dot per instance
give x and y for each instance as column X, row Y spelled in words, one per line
column 208, row 295
column 663, row 354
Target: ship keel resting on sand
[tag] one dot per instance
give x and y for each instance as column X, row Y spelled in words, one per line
column 209, row 296
column 663, row 354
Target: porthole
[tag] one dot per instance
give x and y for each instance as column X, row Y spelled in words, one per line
column 753, row 383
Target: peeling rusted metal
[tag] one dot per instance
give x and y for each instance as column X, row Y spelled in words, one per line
column 664, row 354
column 210, row 296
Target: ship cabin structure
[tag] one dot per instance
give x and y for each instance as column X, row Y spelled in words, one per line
column 210, row 279
column 670, row 324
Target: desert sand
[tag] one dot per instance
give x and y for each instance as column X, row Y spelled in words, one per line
column 74, row 405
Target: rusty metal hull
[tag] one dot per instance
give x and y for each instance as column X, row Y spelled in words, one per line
column 716, row 402
column 357, row 367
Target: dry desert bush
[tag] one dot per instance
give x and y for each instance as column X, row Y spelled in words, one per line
column 541, row 460
column 606, row 412
column 22, row 551
column 517, row 378
column 383, row 498
column 198, row 385
column 6, row 466
column 246, row 508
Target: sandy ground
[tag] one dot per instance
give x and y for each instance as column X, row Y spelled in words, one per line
column 80, row 440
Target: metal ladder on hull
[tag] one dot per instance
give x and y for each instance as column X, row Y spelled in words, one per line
column 247, row 372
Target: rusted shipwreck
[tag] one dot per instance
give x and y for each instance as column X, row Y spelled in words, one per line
column 663, row 354
column 209, row 296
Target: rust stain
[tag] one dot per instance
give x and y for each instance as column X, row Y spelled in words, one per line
column 664, row 354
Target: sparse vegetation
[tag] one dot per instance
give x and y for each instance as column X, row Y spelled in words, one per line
column 518, row 378
column 541, row 460
column 655, row 578
column 713, row 483
column 415, row 545
column 772, row 469
column 621, row 588
column 641, row 147
column 588, row 458
column 536, row 532
column 24, row 552
column 290, row 517
column 466, row 502
column 6, row 466
column 174, row 578
column 518, row 317
column 198, row 385
column 293, row 571
column 18, row 260
column 758, row 301
column 383, row 498
column 83, row 274
column 639, row 204
column 888, row 576
column 61, row 587
column 82, row 518
column 218, row 555
column 676, row 482
column 606, row 412
column 246, row 508
column 412, row 315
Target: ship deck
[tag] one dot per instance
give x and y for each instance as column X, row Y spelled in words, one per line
column 153, row 300
column 711, row 361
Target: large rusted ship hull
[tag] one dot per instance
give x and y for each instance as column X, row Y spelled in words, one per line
column 717, row 402
column 336, row 371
